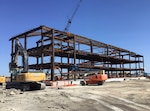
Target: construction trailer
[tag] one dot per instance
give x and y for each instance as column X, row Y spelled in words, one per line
column 50, row 48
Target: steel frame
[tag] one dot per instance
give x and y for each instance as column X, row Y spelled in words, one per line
column 53, row 43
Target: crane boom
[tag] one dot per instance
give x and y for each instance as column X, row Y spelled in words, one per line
column 70, row 19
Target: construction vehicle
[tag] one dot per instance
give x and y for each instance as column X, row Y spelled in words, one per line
column 21, row 77
column 95, row 78
column 2, row 80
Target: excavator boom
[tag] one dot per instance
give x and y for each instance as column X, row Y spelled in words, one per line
column 19, row 50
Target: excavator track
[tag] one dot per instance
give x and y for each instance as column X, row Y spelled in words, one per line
column 26, row 86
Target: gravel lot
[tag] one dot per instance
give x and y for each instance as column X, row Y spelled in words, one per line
column 131, row 95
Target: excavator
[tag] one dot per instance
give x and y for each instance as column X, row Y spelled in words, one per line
column 21, row 77
column 2, row 80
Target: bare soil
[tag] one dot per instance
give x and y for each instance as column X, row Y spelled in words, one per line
column 133, row 95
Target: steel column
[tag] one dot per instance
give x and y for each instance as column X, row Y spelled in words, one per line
column 12, row 50
column 68, row 61
column 52, row 57
column 42, row 54
column 143, row 64
column 25, row 42
column 37, row 58
column 74, row 45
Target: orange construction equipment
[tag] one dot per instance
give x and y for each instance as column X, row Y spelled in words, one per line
column 94, row 78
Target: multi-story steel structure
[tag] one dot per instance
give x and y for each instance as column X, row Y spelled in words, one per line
column 50, row 48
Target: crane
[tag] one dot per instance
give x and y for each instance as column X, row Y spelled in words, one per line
column 70, row 19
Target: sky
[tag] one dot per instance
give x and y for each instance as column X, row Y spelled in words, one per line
column 122, row 23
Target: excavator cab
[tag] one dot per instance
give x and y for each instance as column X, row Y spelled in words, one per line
column 14, row 72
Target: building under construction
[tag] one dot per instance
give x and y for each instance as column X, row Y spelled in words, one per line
column 49, row 48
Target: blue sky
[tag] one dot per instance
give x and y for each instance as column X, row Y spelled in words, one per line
column 122, row 23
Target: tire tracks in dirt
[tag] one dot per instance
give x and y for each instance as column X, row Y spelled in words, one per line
column 117, row 103
column 131, row 103
column 111, row 102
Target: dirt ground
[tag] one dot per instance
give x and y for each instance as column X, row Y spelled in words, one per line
column 133, row 95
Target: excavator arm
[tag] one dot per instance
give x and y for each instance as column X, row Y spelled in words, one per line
column 19, row 51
